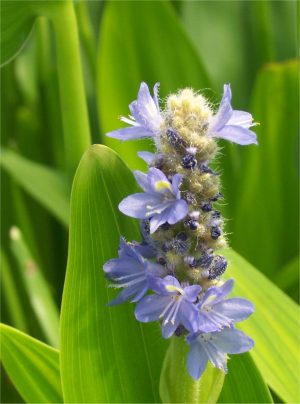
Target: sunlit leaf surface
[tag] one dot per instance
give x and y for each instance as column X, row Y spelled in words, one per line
column 106, row 355
column 32, row 366
column 274, row 326
column 244, row 383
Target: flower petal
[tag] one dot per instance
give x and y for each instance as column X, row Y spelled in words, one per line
column 142, row 180
column 232, row 341
column 148, row 157
column 137, row 205
column 150, row 308
column 241, row 118
column 130, row 133
column 191, row 292
column 236, row 309
column 237, row 134
column 188, row 316
column 122, row 267
column 224, row 112
column 177, row 211
column 196, row 360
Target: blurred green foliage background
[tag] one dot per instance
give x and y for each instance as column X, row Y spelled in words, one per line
column 200, row 44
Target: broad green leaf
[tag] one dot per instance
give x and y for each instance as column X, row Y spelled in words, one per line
column 37, row 288
column 32, row 366
column 274, row 326
column 17, row 18
column 264, row 230
column 10, row 295
column 141, row 41
column 46, row 185
column 106, row 355
column 244, row 383
column 177, row 386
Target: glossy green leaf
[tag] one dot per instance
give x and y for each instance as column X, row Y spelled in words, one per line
column 46, row 185
column 273, row 326
column 244, row 383
column 32, row 366
column 177, row 386
column 37, row 288
column 269, row 195
column 141, row 41
column 106, row 355
column 17, row 20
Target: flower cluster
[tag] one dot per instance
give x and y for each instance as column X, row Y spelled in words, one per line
column 174, row 274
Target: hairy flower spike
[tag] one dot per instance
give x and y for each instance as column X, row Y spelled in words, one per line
column 180, row 227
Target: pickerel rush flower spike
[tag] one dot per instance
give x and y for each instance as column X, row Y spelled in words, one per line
column 174, row 274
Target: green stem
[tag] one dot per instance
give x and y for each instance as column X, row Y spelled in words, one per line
column 72, row 93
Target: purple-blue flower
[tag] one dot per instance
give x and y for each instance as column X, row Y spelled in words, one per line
column 161, row 201
column 216, row 312
column 145, row 116
column 132, row 272
column 230, row 124
column 214, row 347
column 173, row 305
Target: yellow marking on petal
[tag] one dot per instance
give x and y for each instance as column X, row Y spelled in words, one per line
column 172, row 288
column 159, row 185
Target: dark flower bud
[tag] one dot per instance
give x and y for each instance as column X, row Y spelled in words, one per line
column 215, row 232
column 206, row 207
column 192, row 224
column 179, row 330
column 205, row 260
column 205, row 169
column 174, row 139
column 216, row 214
column 218, row 267
column 188, row 162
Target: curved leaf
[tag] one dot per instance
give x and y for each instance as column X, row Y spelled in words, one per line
column 32, row 366
column 46, row 185
column 17, row 18
column 106, row 355
column 39, row 294
column 273, row 326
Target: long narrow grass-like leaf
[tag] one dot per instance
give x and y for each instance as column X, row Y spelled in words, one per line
column 46, row 185
column 32, row 366
column 274, row 326
column 37, row 289
column 106, row 355
column 10, row 295
column 264, row 223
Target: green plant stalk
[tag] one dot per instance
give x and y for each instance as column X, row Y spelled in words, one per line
column 37, row 288
column 11, row 296
column 72, row 93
